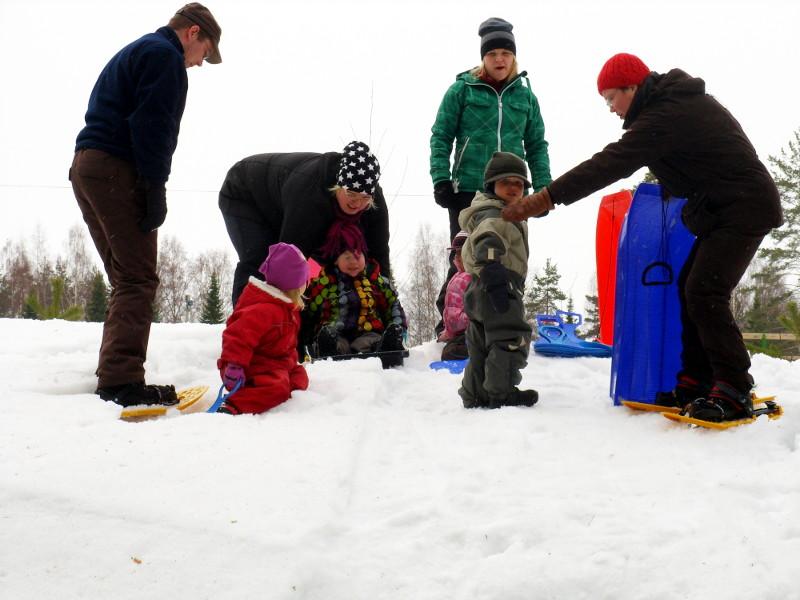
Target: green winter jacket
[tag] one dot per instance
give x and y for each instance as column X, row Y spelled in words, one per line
column 492, row 238
column 483, row 121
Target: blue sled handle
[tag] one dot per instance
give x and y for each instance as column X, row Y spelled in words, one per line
column 557, row 320
column 222, row 396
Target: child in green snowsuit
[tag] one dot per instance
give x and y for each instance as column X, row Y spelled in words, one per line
column 496, row 255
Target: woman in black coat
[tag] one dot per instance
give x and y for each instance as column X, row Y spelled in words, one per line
column 295, row 198
column 697, row 150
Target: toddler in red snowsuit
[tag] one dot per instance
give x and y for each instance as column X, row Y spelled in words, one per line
column 259, row 343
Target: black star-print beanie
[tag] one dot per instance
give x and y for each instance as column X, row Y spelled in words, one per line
column 359, row 170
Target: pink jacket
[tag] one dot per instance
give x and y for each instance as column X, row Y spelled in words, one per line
column 454, row 318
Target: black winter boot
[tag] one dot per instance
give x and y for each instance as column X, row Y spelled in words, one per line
column 133, row 394
column 392, row 339
column 327, row 340
column 517, row 397
column 687, row 390
column 724, row 403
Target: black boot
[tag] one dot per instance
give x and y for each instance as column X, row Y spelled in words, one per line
column 687, row 390
column 517, row 397
column 471, row 402
column 327, row 340
column 392, row 341
column 133, row 394
column 724, row 403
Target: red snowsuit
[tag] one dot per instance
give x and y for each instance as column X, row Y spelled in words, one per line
column 261, row 335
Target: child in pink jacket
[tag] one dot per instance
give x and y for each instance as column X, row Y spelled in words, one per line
column 454, row 318
column 259, row 343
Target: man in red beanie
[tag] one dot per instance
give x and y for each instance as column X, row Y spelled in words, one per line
column 697, row 150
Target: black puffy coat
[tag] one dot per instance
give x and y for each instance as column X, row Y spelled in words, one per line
column 289, row 193
column 695, row 148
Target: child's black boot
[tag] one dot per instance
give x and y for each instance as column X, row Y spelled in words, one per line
column 392, row 341
column 327, row 340
column 517, row 397
column 724, row 403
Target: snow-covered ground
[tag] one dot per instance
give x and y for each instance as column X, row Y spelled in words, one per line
column 374, row 485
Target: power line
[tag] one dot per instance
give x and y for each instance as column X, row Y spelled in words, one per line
column 179, row 190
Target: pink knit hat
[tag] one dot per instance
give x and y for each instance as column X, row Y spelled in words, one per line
column 285, row 267
column 622, row 70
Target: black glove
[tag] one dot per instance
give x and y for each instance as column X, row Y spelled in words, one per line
column 445, row 195
column 494, row 278
column 155, row 198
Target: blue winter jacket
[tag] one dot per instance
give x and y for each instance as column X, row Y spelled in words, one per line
column 137, row 103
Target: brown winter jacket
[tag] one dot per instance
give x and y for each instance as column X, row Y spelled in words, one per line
column 695, row 148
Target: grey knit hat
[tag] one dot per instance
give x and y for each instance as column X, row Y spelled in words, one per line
column 496, row 33
column 504, row 164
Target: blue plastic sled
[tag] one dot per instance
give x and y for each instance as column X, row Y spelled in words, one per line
column 653, row 248
column 558, row 338
column 454, row 366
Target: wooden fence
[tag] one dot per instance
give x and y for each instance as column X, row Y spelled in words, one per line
column 784, row 337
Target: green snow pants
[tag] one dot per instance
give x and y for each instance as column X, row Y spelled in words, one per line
column 498, row 346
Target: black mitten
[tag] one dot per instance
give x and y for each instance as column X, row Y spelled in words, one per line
column 444, row 194
column 494, row 278
column 155, row 196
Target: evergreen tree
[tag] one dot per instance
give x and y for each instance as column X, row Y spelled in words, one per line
column 212, row 306
column 570, row 309
column 769, row 297
column 784, row 254
column 30, row 308
column 55, row 310
column 544, row 295
column 791, row 321
column 98, row 299
column 5, row 297
column 649, row 177
column 591, row 321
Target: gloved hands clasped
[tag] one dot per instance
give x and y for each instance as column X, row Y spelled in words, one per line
column 445, row 195
column 232, row 374
column 494, row 277
column 537, row 204
column 155, row 197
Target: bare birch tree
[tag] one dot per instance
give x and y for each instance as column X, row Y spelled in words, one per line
column 427, row 271
column 79, row 267
column 173, row 302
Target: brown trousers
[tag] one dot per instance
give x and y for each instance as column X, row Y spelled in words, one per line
column 105, row 188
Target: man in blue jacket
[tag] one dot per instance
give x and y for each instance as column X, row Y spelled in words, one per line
column 123, row 158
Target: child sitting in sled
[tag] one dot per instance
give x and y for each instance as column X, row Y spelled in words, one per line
column 454, row 317
column 259, row 344
column 352, row 309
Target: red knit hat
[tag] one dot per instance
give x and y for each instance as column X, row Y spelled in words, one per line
column 622, row 70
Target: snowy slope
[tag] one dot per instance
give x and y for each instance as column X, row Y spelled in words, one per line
column 378, row 485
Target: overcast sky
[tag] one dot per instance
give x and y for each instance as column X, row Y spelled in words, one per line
column 314, row 75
